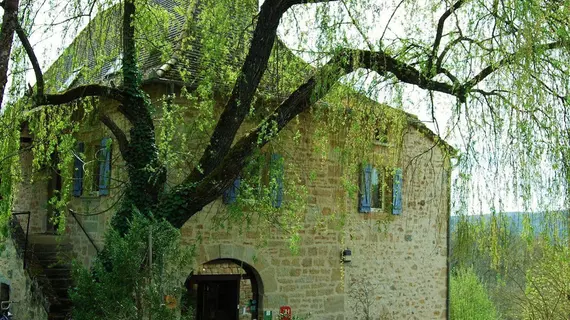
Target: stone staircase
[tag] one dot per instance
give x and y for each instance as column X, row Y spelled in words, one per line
column 55, row 260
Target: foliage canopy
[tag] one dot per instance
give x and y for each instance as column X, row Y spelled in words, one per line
column 503, row 66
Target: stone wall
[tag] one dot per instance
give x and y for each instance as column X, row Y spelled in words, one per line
column 28, row 303
column 399, row 263
column 31, row 193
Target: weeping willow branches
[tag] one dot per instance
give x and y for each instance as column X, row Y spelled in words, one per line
column 486, row 58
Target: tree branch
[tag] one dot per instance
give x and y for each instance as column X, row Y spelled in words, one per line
column 193, row 194
column 294, row 2
column 439, row 34
column 70, row 95
column 33, row 59
column 381, row 62
column 131, row 78
column 237, row 106
column 487, row 71
column 90, row 90
column 117, row 132
column 9, row 23
column 197, row 195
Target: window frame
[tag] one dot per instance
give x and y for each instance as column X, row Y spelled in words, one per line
column 92, row 161
column 385, row 196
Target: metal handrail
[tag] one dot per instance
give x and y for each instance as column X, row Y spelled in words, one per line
column 27, row 233
column 84, row 231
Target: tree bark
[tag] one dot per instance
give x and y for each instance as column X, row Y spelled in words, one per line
column 147, row 175
column 9, row 23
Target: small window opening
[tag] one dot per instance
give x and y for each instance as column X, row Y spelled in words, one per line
column 70, row 80
column 381, row 136
column 115, row 66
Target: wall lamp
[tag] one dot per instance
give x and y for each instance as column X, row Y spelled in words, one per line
column 346, row 256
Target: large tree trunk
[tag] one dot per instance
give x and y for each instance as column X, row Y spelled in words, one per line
column 147, row 175
column 9, row 22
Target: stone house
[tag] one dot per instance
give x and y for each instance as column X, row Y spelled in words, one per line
column 388, row 258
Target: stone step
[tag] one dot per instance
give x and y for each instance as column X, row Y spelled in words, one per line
column 51, row 262
column 61, row 308
column 53, row 254
column 51, row 250
column 61, row 293
column 62, row 272
column 64, row 307
column 63, row 283
column 59, row 316
column 43, row 250
column 47, row 239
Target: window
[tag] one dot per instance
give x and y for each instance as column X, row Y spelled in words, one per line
column 230, row 195
column 276, row 173
column 99, row 164
column 114, row 67
column 372, row 189
column 78, row 170
column 262, row 173
column 381, row 136
column 378, row 187
column 380, row 190
column 70, row 80
column 103, row 170
column 96, row 168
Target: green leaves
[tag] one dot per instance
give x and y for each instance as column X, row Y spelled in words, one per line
column 123, row 284
column 469, row 298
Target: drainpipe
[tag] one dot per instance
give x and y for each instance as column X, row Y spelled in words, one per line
column 448, row 280
column 448, row 241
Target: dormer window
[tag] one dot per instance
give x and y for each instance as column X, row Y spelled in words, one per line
column 381, row 136
column 115, row 66
column 70, row 80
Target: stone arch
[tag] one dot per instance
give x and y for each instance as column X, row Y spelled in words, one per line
column 256, row 267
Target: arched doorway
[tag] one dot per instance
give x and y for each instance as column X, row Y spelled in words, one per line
column 224, row 289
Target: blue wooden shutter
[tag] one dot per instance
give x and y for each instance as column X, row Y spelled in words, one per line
column 78, row 170
column 276, row 176
column 105, row 166
column 397, row 192
column 230, row 194
column 366, row 189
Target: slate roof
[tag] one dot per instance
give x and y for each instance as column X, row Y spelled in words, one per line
column 97, row 47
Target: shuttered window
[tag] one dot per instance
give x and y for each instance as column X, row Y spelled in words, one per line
column 365, row 205
column 397, row 192
column 104, row 159
column 379, row 190
column 230, row 195
column 78, row 171
column 276, row 173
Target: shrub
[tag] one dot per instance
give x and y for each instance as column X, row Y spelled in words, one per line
column 123, row 282
column 469, row 298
